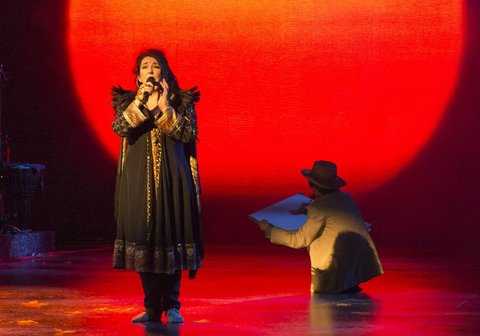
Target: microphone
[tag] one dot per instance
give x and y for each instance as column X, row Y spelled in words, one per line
column 146, row 95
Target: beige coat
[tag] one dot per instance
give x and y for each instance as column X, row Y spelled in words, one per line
column 342, row 253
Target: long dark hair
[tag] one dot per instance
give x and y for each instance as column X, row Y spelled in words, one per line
column 166, row 72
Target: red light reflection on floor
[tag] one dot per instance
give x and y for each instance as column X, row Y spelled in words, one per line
column 240, row 291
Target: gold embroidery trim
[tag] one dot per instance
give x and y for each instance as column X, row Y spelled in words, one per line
column 156, row 150
column 167, row 259
column 123, row 152
column 196, row 178
column 133, row 115
column 149, row 188
column 167, row 121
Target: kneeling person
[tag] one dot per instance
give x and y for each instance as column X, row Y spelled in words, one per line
column 342, row 253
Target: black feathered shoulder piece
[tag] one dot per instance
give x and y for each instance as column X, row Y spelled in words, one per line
column 193, row 94
column 186, row 97
column 121, row 98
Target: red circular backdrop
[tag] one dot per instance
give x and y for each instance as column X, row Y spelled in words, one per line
column 361, row 82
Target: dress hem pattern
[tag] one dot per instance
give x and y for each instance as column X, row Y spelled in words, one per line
column 128, row 255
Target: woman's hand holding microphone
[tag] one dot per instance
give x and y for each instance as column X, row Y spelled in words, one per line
column 154, row 96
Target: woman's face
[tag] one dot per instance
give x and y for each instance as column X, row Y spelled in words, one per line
column 149, row 67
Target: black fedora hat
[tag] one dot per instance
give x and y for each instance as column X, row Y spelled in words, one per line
column 324, row 174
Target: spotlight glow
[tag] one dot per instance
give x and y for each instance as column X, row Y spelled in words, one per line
column 360, row 82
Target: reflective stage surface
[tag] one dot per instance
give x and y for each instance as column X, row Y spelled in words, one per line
column 241, row 291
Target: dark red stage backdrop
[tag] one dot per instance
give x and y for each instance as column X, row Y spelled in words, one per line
column 360, row 82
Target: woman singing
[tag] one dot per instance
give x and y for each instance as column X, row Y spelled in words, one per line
column 157, row 206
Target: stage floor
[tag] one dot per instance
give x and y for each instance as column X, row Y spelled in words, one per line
column 241, row 291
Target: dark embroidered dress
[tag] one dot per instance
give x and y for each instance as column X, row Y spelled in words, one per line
column 157, row 206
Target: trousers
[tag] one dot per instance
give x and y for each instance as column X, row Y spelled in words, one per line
column 161, row 291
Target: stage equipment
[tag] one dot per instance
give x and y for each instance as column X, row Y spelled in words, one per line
column 18, row 183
